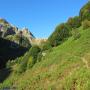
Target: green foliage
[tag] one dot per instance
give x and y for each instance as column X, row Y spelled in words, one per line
column 23, row 65
column 28, row 60
column 19, row 60
column 30, row 63
column 86, row 24
column 78, row 80
column 10, row 63
column 39, row 57
column 85, row 12
column 74, row 22
column 34, row 52
column 76, row 34
column 61, row 32
column 61, row 69
column 46, row 46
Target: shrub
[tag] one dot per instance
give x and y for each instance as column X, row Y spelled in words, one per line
column 39, row 57
column 85, row 12
column 76, row 34
column 34, row 52
column 29, row 59
column 30, row 63
column 46, row 46
column 86, row 24
column 19, row 60
column 10, row 63
column 74, row 22
column 23, row 65
column 61, row 32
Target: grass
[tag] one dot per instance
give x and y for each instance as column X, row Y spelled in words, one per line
column 61, row 69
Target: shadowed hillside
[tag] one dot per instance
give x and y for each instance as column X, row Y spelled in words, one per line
column 9, row 51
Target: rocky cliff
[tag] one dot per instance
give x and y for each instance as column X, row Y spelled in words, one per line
column 13, row 33
column 8, row 30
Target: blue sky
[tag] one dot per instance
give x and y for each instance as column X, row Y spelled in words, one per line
column 40, row 16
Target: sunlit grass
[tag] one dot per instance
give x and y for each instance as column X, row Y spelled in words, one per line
column 61, row 69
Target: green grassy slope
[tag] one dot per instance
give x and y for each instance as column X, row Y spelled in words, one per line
column 66, row 67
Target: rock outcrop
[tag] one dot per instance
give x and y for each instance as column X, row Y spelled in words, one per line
column 7, row 29
column 10, row 31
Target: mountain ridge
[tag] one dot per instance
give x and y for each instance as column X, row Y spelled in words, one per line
column 7, row 29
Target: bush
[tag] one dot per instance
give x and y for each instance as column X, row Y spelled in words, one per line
column 76, row 34
column 74, row 22
column 39, row 57
column 23, row 65
column 30, row 63
column 86, row 24
column 19, row 60
column 29, row 59
column 46, row 46
column 34, row 52
column 61, row 32
column 85, row 12
column 10, row 63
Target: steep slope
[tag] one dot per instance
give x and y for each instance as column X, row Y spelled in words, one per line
column 10, row 45
column 13, row 41
column 85, row 12
column 65, row 67
column 9, row 50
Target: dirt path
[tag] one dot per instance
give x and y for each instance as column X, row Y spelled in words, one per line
column 85, row 62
